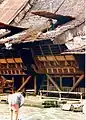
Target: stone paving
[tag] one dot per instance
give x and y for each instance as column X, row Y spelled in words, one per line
column 33, row 113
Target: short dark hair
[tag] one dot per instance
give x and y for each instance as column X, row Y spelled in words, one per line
column 24, row 94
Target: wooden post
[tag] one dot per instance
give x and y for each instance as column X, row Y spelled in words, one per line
column 74, row 80
column 47, row 84
column 35, row 87
column 61, row 82
column 13, row 84
column 57, row 87
column 23, row 83
column 59, row 96
column 77, row 82
column 22, row 86
column 81, row 96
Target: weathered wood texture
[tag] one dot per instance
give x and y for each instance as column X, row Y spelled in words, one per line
column 23, row 85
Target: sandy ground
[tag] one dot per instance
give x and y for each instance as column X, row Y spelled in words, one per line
column 34, row 113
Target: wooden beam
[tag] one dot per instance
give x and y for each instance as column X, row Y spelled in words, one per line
column 35, row 86
column 18, row 60
column 47, row 84
column 65, row 75
column 74, row 80
column 3, row 61
column 23, row 83
column 10, row 60
column 53, row 56
column 61, row 82
column 13, row 84
column 57, row 87
column 22, row 86
column 77, row 83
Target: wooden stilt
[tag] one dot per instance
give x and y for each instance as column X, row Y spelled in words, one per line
column 61, row 82
column 74, row 80
column 77, row 82
column 25, row 82
column 47, row 84
column 57, row 87
column 35, row 85
column 13, row 84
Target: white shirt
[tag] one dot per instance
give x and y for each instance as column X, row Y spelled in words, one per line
column 16, row 98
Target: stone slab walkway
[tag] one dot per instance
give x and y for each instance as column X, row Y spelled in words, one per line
column 33, row 113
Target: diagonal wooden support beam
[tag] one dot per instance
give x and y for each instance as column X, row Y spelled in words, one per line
column 22, row 86
column 57, row 87
column 77, row 83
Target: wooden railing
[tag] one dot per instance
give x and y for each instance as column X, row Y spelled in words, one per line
column 62, row 92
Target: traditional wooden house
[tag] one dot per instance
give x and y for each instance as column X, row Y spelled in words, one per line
column 55, row 62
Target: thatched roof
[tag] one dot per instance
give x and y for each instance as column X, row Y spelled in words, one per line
column 9, row 9
column 61, row 34
column 64, row 7
column 71, row 8
column 66, row 32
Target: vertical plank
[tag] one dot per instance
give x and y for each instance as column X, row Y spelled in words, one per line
column 13, row 84
column 35, row 86
column 74, row 80
column 23, row 83
column 61, row 83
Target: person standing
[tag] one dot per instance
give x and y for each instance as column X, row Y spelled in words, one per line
column 15, row 101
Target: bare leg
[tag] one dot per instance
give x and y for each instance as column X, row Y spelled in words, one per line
column 16, row 114
column 11, row 114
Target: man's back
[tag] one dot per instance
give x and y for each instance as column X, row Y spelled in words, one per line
column 16, row 98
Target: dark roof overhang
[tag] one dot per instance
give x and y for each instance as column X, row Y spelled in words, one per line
column 13, row 29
